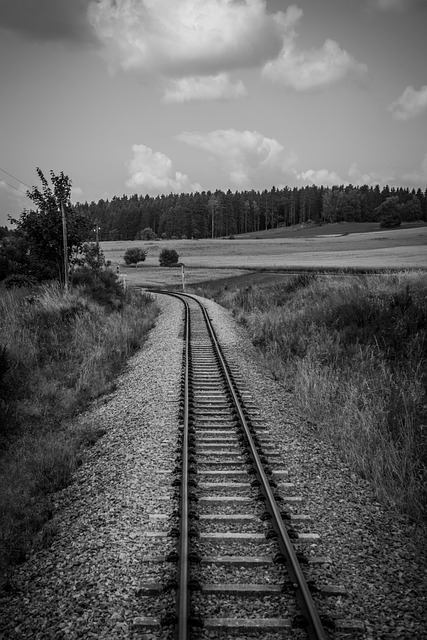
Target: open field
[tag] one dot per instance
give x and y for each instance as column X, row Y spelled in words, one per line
column 343, row 246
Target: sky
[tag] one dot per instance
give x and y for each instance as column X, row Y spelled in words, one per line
column 161, row 96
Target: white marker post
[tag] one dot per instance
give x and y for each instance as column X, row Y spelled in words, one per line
column 183, row 276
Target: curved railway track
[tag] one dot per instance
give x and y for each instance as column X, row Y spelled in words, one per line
column 238, row 568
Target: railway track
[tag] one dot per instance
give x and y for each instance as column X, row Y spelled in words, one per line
column 235, row 564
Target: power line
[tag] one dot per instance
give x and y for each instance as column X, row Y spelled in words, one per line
column 15, row 178
column 16, row 188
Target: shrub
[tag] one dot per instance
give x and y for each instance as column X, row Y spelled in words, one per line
column 92, row 256
column 104, row 287
column 57, row 353
column 135, row 255
column 18, row 280
column 148, row 234
column 354, row 353
column 168, row 258
column 391, row 220
column 4, row 368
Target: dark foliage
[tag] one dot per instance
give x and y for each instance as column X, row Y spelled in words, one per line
column 38, row 239
column 133, row 255
column 168, row 258
column 104, row 287
column 223, row 214
column 18, row 280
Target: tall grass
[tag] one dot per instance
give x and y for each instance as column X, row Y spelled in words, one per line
column 57, row 353
column 353, row 351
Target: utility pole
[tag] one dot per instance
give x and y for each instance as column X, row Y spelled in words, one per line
column 213, row 215
column 65, row 246
column 97, row 229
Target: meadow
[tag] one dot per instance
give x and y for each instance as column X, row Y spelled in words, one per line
column 332, row 246
column 352, row 352
column 58, row 352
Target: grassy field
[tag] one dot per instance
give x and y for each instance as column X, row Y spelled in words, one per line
column 353, row 354
column 58, row 352
column 362, row 245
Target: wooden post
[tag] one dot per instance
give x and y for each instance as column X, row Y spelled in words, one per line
column 65, row 246
column 183, row 277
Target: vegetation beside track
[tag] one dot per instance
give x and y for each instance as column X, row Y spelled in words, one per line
column 58, row 352
column 353, row 352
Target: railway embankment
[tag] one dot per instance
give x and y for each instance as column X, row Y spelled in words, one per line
column 83, row 577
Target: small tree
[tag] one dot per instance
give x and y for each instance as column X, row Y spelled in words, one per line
column 148, row 234
column 38, row 239
column 168, row 258
column 92, row 256
column 135, row 255
column 388, row 212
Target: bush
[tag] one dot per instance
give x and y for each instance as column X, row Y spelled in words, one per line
column 354, row 354
column 18, row 280
column 135, row 255
column 104, row 287
column 148, row 234
column 391, row 220
column 56, row 354
column 168, row 258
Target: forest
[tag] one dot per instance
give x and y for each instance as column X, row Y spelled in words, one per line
column 221, row 214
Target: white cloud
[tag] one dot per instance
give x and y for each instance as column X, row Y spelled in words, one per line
column 398, row 177
column 191, row 44
column 217, row 87
column 410, row 104
column 245, row 156
column 321, row 177
column 152, row 172
column 359, row 178
column 310, row 69
column 76, row 193
column 416, row 178
column 181, row 38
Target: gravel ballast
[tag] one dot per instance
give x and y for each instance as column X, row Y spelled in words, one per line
column 85, row 583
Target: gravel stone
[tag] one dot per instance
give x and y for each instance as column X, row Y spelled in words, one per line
column 377, row 555
column 86, row 583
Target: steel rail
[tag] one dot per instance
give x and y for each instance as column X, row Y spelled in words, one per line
column 182, row 632
column 314, row 625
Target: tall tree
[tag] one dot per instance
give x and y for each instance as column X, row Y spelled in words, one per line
column 39, row 234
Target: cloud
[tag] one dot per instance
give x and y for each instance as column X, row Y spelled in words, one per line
column 246, row 157
column 76, row 194
column 190, row 45
column 416, row 178
column 217, row 87
column 321, row 177
column 185, row 38
column 47, row 19
column 359, row 178
column 410, row 104
column 310, row 69
column 152, row 172
column 398, row 177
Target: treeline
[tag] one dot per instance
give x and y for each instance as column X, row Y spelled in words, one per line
column 218, row 214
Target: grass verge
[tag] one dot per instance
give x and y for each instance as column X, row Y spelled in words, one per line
column 353, row 352
column 58, row 352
